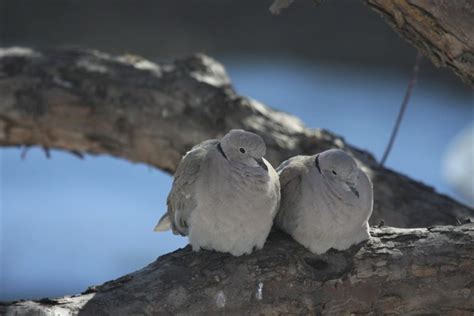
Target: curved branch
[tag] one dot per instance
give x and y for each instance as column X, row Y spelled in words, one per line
column 399, row 271
column 86, row 101
column 443, row 30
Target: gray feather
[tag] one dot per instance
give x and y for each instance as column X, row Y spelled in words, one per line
column 225, row 195
column 326, row 201
column 182, row 198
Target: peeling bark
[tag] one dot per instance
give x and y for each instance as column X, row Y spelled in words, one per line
column 128, row 107
column 442, row 30
column 400, row 271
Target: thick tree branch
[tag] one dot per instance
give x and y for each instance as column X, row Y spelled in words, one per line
column 84, row 101
column 443, row 30
column 399, row 271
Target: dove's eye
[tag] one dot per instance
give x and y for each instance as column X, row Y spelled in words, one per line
column 242, row 150
column 334, row 172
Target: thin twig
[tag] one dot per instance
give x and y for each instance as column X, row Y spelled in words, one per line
column 403, row 107
column 77, row 153
column 280, row 5
column 46, row 151
column 24, row 151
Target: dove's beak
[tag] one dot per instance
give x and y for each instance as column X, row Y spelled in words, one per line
column 261, row 163
column 353, row 189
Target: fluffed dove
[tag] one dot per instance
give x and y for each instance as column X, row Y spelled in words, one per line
column 225, row 195
column 326, row 201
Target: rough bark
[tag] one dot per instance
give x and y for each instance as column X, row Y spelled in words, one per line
column 399, row 271
column 443, row 30
column 90, row 102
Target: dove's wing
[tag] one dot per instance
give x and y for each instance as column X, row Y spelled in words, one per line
column 290, row 172
column 274, row 180
column 182, row 200
column 291, row 168
column 365, row 192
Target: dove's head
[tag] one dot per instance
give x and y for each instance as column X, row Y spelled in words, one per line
column 339, row 168
column 244, row 147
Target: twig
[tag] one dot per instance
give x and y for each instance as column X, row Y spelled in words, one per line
column 280, row 5
column 46, row 151
column 403, row 107
column 76, row 153
column 24, row 151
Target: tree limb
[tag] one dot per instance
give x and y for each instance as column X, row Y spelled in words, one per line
column 443, row 30
column 87, row 101
column 399, row 271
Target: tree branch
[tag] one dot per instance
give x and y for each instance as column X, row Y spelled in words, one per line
column 443, row 30
column 399, row 271
column 86, row 101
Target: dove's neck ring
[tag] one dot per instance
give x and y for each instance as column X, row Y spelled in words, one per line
column 219, row 148
column 336, row 187
column 316, row 162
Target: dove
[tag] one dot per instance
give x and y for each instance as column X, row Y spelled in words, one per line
column 326, row 201
column 224, row 196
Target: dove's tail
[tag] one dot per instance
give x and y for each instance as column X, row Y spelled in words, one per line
column 164, row 224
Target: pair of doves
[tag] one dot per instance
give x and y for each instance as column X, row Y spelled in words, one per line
column 226, row 196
